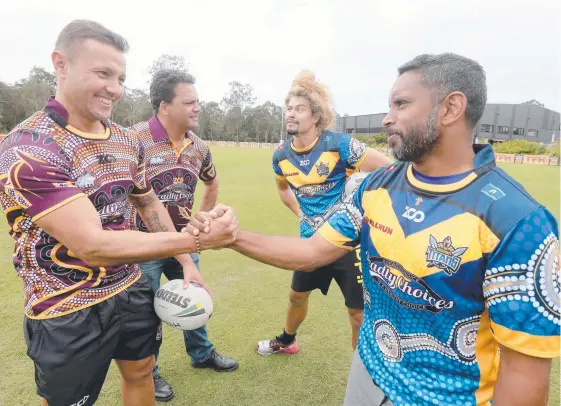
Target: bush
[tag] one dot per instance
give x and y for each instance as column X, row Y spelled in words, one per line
column 554, row 149
column 524, row 147
column 372, row 140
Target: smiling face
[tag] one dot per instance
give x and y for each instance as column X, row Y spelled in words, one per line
column 91, row 77
column 411, row 124
column 299, row 116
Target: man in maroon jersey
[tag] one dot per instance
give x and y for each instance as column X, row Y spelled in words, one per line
column 176, row 159
column 66, row 174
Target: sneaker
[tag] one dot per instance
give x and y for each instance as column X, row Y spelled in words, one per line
column 164, row 391
column 275, row 346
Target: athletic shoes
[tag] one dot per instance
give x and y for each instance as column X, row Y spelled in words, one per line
column 163, row 390
column 275, row 346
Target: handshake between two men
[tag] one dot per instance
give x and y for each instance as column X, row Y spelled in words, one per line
column 215, row 229
column 219, row 228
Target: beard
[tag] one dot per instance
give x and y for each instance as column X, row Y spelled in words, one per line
column 295, row 128
column 293, row 131
column 417, row 141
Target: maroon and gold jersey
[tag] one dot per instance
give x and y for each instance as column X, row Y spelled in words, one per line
column 46, row 163
column 173, row 173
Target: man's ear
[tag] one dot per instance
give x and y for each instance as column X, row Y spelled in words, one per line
column 60, row 63
column 454, row 108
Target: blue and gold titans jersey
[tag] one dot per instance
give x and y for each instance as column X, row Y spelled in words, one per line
column 317, row 174
column 450, row 272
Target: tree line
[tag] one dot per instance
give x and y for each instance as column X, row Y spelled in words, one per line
column 234, row 118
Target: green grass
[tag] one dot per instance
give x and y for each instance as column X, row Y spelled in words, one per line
column 250, row 303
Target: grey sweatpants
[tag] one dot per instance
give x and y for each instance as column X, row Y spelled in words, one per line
column 361, row 390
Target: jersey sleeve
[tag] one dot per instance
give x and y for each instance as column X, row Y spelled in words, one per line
column 141, row 183
column 352, row 151
column 521, row 287
column 208, row 170
column 34, row 174
column 342, row 229
column 276, row 167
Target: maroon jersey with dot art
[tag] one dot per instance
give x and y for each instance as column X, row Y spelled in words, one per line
column 44, row 164
column 172, row 173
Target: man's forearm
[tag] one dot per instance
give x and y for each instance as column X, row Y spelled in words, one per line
column 290, row 201
column 282, row 252
column 110, row 248
column 291, row 253
column 153, row 213
column 210, row 195
column 157, row 219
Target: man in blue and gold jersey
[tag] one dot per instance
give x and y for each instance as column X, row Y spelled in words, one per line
column 460, row 264
column 311, row 169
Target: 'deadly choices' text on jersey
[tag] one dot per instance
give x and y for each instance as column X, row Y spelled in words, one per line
column 450, row 272
column 172, row 172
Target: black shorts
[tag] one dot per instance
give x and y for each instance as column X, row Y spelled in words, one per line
column 72, row 353
column 345, row 271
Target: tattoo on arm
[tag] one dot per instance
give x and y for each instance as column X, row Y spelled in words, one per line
column 149, row 215
column 154, row 224
column 143, row 201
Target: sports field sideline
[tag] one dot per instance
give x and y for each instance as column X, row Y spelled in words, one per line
column 250, row 303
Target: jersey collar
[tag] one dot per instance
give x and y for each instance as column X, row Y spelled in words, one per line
column 158, row 131
column 59, row 114
column 483, row 162
column 305, row 149
column 159, row 134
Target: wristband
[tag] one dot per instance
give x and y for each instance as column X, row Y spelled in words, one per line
column 198, row 244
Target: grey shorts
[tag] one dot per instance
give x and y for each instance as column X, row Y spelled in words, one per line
column 361, row 389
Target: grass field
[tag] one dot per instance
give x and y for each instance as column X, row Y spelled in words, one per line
column 250, row 302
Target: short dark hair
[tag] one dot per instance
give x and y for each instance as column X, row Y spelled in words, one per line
column 447, row 73
column 78, row 31
column 162, row 88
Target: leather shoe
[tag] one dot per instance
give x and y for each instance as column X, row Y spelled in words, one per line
column 164, row 391
column 218, row 363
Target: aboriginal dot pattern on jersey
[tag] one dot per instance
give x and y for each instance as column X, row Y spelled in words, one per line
column 522, row 283
column 431, row 335
column 313, row 214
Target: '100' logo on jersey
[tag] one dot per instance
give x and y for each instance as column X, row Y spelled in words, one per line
column 412, row 213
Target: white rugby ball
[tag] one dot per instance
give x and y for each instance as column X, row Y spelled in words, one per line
column 353, row 182
column 183, row 308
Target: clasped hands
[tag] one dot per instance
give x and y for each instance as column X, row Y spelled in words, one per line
column 215, row 229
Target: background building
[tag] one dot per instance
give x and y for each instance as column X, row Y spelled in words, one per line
column 500, row 122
